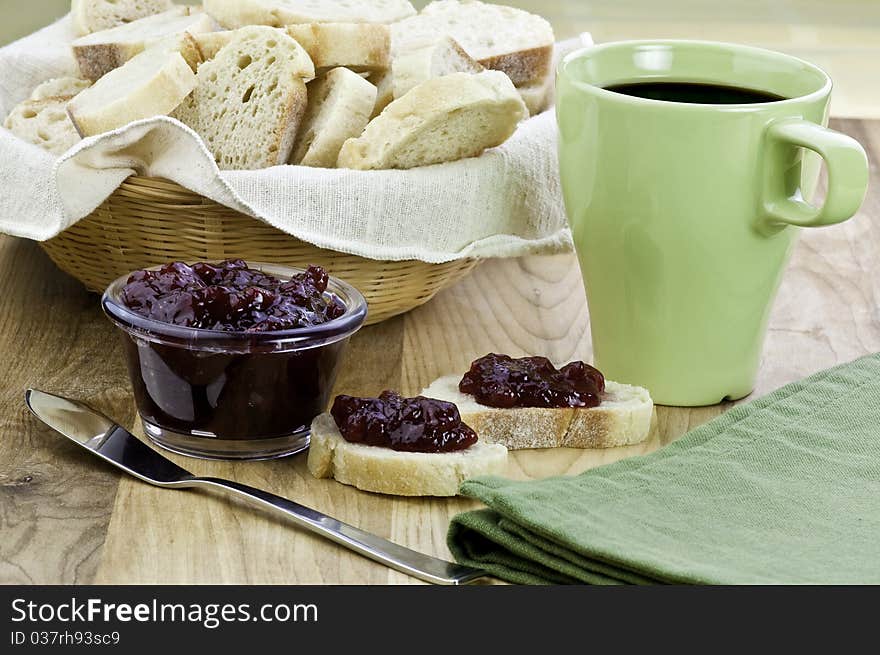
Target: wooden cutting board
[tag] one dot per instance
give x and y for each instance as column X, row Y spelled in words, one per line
column 67, row 518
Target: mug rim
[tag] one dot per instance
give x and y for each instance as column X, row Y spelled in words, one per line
column 561, row 71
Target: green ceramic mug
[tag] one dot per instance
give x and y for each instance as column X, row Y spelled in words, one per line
column 684, row 214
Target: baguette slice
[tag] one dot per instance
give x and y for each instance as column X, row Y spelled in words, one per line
column 150, row 84
column 623, row 418
column 184, row 43
column 340, row 104
column 44, row 123
column 443, row 57
column 359, row 46
column 279, row 13
column 100, row 52
column 387, row 471
column 384, row 83
column 250, row 99
column 95, row 15
column 537, row 97
column 210, row 43
column 444, row 119
column 59, row 87
column 503, row 38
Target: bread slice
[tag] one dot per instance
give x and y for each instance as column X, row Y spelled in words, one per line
column 59, row 87
column 503, row 38
column 45, row 123
column 442, row 57
column 250, row 99
column 278, row 13
column 100, row 52
column 444, row 119
column 150, row 84
column 359, row 46
column 537, row 97
column 340, row 104
column 622, row 418
column 95, row 15
column 210, row 43
column 387, row 471
column 184, row 43
column 384, row 83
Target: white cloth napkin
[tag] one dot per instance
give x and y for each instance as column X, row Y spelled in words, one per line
column 505, row 203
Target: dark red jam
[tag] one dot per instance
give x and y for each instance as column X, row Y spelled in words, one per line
column 502, row 381
column 230, row 296
column 246, row 385
column 418, row 425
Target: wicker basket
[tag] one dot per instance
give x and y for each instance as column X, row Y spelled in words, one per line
column 150, row 221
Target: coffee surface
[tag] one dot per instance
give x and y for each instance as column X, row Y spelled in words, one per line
column 694, row 93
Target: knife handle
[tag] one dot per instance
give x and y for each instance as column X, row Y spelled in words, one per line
column 421, row 566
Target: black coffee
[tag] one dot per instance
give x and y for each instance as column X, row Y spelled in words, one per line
column 694, row 92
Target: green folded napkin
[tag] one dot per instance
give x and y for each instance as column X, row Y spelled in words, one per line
column 784, row 489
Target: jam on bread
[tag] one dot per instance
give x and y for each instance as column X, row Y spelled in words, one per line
column 420, row 425
column 504, row 382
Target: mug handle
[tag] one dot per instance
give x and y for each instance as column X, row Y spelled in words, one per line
column 847, row 166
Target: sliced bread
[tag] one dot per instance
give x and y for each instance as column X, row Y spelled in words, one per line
column 436, row 59
column 387, row 471
column 150, row 84
column 250, row 99
column 384, row 83
column 503, row 38
column 210, row 43
column 622, row 418
column 45, row 123
column 59, row 87
column 537, row 97
column 95, row 15
column 278, row 13
column 359, row 46
column 340, row 104
column 444, row 119
column 100, row 52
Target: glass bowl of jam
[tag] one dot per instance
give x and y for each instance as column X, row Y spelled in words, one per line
column 232, row 360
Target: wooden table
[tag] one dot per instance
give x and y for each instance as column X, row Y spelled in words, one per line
column 66, row 518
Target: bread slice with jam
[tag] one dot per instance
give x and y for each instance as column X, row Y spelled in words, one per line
column 622, row 418
column 386, row 471
column 400, row 446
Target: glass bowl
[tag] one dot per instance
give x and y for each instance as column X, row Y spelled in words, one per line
column 233, row 395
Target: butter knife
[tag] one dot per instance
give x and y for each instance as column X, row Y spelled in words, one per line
column 112, row 443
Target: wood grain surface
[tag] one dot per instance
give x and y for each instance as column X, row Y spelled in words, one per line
column 65, row 517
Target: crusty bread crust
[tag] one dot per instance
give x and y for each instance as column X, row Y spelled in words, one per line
column 523, row 67
column 358, row 46
column 99, row 53
column 622, row 419
column 386, row 471
column 95, row 15
column 95, row 61
column 502, row 38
